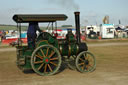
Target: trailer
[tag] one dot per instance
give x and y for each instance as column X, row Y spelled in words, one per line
column 107, row 31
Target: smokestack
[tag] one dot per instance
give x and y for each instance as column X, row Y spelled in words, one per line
column 77, row 22
column 119, row 22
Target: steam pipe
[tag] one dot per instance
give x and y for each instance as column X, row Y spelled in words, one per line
column 77, row 22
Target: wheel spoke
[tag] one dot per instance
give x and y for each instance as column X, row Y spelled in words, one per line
column 51, row 54
column 50, row 67
column 83, row 67
column 90, row 65
column 45, row 68
column 41, row 66
column 42, row 52
column 38, row 62
column 91, row 60
column 47, row 52
column 39, row 57
column 86, row 57
column 53, row 63
column 81, row 59
column 53, row 58
column 86, row 67
column 81, row 64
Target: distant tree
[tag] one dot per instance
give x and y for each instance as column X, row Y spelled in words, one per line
column 66, row 26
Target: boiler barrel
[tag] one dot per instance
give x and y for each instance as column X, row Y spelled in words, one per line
column 72, row 49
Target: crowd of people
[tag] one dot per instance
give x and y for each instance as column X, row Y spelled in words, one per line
column 2, row 34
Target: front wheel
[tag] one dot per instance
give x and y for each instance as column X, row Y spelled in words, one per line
column 46, row 60
column 85, row 62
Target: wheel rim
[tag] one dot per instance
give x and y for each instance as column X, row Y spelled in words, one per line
column 46, row 60
column 85, row 62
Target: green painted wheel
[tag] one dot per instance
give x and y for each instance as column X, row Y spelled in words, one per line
column 85, row 62
column 46, row 60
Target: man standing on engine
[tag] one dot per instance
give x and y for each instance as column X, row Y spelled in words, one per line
column 31, row 33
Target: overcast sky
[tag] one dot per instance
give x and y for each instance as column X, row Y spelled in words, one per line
column 91, row 11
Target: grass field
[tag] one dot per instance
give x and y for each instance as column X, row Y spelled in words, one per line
column 11, row 27
column 112, row 69
column 14, row 27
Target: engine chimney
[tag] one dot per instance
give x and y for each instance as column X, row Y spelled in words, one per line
column 77, row 22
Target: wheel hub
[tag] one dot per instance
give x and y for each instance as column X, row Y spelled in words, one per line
column 46, row 60
column 86, row 62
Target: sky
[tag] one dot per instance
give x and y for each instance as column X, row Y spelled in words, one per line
column 92, row 12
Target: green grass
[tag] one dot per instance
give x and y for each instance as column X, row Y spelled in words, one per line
column 14, row 27
column 11, row 27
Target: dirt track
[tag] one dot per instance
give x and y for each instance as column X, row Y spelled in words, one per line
column 112, row 69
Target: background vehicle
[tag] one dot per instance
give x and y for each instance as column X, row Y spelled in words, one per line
column 107, row 31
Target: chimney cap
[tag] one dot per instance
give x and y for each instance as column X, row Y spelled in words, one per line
column 77, row 13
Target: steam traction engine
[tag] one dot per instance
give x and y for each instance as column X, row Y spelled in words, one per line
column 49, row 54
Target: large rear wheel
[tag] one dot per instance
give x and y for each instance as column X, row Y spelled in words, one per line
column 46, row 60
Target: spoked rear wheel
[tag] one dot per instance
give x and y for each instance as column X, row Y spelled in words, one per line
column 46, row 60
column 85, row 62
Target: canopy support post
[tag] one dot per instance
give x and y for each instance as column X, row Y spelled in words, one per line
column 56, row 26
column 52, row 28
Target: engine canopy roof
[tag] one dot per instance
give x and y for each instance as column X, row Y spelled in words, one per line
column 26, row 18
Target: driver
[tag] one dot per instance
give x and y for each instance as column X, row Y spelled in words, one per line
column 31, row 33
